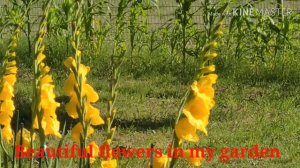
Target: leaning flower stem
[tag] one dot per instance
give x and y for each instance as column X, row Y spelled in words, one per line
column 206, row 49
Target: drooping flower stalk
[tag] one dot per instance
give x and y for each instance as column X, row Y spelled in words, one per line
column 81, row 94
column 8, row 78
column 43, row 102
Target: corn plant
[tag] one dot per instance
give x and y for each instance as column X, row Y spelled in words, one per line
column 183, row 17
column 137, row 24
column 28, row 4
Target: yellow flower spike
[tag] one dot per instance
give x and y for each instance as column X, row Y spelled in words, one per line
column 109, row 163
column 77, row 33
column 185, row 131
column 93, row 115
column 160, row 162
column 192, row 158
column 95, row 151
column 26, row 139
column 7, row 133
column 77, row 130
column 10, row 79
column 208, row 69
column 7, row 92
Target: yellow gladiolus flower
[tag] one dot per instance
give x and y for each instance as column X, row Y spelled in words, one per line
column 26, row 139
column 159, row 162
column 109, row 163
column 193, row 159
column 197, row 112
column 77, row 132
column 185, row 131
column 52, row 127
column 90, row 93
column 92, row 115
column 95, row 151
column 204, row 85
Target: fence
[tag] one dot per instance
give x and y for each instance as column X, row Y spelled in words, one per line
column 167, row 8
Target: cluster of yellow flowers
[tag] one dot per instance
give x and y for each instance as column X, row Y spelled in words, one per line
column 80, row 105
column 46, row 98
column 195, row 111
column 7, row 82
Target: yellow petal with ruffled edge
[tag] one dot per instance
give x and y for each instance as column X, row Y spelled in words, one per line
column 93, row 115
column 90, row 93
column 185, row 131
column 197, row 111
column 71, row 107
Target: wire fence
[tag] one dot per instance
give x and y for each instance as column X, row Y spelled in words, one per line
column 166, row 11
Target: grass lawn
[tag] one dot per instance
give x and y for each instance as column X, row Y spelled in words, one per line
column 249, row 110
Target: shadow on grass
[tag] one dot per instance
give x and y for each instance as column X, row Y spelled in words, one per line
column 145, row 123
